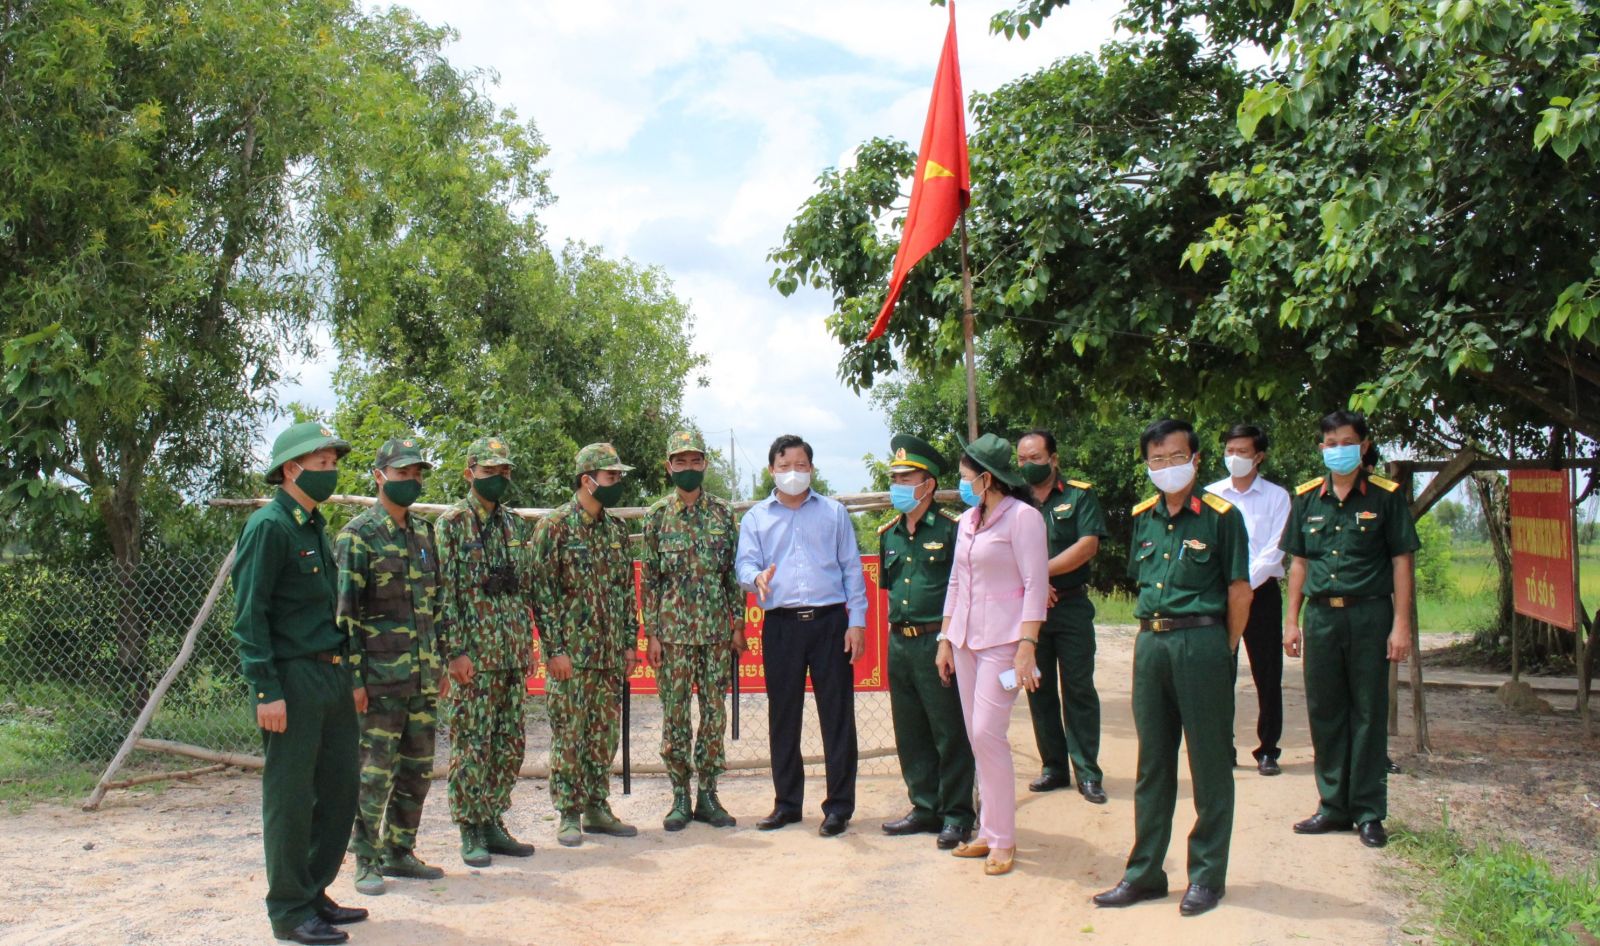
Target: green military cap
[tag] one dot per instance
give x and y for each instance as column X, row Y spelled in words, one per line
column 398, row 452
column 685, row 441
column 993, row 453
column 489, row 451
column 913, row 453
column 600, row 456
column 299, row 440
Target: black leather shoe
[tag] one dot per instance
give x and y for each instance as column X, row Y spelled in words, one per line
column 1199, row 899
column 1049, row 783
column 1320, row 823
column 833, row 826
column 1125, row 894
column 1392, row 766
column 951, row 836
column 1267, row 765
column 778, row 819
column 910, row 824
column 331, row 912
column 1373, row 835
column 1092, row 792
column 314, row 931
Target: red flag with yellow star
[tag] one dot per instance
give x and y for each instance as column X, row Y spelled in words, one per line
column 941, row 187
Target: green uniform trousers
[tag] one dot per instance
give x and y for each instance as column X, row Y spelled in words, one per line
column 487, row 741
column 684, row 669
column 930, row 735
column 308, row 789
column 585, row 728
column 397, row 738
column 1066, row 707
column 1347, row 701
column 1182, row 689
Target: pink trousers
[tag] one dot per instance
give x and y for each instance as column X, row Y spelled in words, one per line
column 986, row 707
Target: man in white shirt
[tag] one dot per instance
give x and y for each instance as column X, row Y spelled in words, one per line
column 1266, row 511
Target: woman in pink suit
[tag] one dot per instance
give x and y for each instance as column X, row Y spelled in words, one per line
column 992, row 612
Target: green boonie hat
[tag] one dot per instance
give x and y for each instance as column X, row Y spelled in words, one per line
column 685, row 441
column 913, row 453
column 400, row 451
column 489, row 451
column 994, row 454
column 299, row 440
column 600, row 456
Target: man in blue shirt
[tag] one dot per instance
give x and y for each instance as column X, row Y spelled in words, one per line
column 797, row 552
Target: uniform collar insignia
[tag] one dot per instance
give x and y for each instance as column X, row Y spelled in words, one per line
column 1194, row 503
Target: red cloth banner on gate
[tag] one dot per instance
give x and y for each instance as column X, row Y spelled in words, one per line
column 872, row 671
column 1541, row 546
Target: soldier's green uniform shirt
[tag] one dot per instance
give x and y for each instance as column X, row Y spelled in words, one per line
column 916, row 569
column 1349, row 543
column 388, row 603
column 1184, row 563
column 690, row 587
column 1071, row 512
column 493, row 630
column 284, row 588
column 582, row 572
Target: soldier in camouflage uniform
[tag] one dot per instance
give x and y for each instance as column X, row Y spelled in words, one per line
column 388, row 603
column 483, row 553
column 694, row 617
column 587, row 626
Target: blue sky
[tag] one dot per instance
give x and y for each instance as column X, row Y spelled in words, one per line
column 686, row 134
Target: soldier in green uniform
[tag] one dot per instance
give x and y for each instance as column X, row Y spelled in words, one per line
column 1354, row 543
column 1066, row 707
column 485, row 603
column 589, row 629
column 930, row 735
column 293, row 654
column 694, row 618
column 389, row 606
column 1190, row 556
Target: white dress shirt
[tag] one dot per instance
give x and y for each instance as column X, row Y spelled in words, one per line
column 1265, row 506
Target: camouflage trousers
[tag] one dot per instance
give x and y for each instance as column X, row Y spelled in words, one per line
column 684, row 669
column 487, row 741
column 396, row 757
column 585, row 727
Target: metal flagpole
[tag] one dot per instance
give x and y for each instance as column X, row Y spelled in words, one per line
column 966, row 331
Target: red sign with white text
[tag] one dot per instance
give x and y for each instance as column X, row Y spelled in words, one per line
column 1541, row 546
column 872, row 671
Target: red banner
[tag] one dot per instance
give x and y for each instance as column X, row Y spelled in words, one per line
column 872, row 671
column 1541, row 546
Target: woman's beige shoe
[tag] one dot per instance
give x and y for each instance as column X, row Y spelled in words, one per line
column 998, row 864
column 971, row 849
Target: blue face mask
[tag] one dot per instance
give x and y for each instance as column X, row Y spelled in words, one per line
column 1342, row 460
column 967, row 495
column 903, row 497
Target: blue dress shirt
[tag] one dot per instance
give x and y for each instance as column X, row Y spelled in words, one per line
column 815, row 550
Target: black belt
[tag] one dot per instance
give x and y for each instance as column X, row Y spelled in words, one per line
column 1345, row 601
column 916, row 630
column 1067, row 594
column 805, row 614
column 1163, row 625
column 329, row 657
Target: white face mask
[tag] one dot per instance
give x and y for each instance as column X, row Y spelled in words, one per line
column 1238, row 466
column 793, row 482
column 1171, row 479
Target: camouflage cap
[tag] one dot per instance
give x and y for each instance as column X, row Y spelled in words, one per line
column 685, row 441
column 600, row 456
column 489, row 451
column 400, row 451
column 299, row 440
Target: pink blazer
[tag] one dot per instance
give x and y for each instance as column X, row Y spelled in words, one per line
column 1001, row 576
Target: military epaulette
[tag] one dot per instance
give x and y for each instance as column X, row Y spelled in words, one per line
column 890, row 524
column 1382, row 482
column 1080, row 484
column 948, row 514
column 1217, row 502
column 1307, row 487
column 1146, row 506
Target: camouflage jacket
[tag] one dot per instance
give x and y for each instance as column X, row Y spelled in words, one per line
column 691, row 590
column 388, row 602
column 584, row 577
column 495, row 630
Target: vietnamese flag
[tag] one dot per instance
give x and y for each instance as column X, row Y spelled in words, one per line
column 940, row 188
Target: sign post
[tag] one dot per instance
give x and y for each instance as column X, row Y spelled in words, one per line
column 1543, row 567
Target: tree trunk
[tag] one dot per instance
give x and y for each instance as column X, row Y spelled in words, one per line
column 124, row 527
column 1493, row 500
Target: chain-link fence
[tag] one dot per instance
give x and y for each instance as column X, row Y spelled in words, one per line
column 83, row 646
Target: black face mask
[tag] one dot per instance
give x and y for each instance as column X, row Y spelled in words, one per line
column 688, row 480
